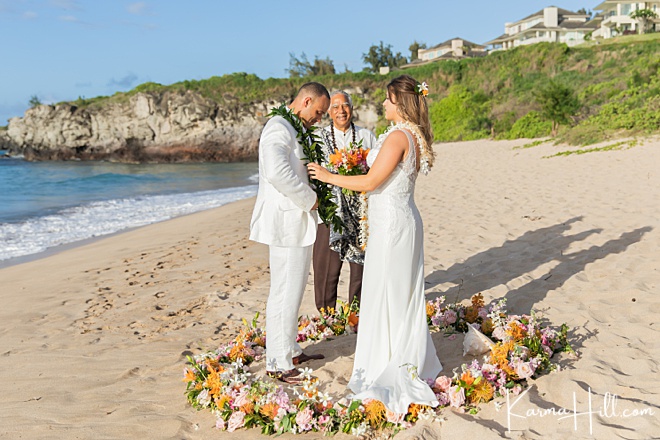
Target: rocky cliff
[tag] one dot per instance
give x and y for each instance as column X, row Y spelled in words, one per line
column 145, row 127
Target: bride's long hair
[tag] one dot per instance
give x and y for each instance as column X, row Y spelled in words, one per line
column 411, row 105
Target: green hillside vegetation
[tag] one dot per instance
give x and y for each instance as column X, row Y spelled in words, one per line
column 614, row 85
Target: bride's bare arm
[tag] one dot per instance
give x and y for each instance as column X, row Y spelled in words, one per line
column 389, row 156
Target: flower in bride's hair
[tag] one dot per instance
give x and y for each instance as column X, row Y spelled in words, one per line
column 423, row 89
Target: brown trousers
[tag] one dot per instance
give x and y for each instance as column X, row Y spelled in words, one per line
column 327, row 266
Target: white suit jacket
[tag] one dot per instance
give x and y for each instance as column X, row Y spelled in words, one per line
column 283, row 213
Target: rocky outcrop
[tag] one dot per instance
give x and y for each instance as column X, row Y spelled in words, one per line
column 145, row 127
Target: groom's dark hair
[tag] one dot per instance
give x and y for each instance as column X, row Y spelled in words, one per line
column 314, row 89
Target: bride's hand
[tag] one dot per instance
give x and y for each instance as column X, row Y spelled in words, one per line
column 318, row 172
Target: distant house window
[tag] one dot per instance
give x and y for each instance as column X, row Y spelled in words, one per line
column 626, row 9
column 541, row 34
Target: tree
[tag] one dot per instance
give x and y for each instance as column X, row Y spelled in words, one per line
column 34, row 101
column 382, row 56
column 644, row 17
column 414, row 48
column 558, row 103
column 584, row 11
column 301, row 67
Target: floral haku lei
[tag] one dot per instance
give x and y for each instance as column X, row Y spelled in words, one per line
column 426, row 153
column 423, row 88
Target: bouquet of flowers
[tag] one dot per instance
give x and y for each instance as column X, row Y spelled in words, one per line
column 350, row 161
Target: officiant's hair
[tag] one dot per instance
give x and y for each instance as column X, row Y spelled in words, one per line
column 411, row 105
column 314, row 89
column 345, row 94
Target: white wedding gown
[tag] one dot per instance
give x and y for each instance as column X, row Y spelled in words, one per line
column 394, row 352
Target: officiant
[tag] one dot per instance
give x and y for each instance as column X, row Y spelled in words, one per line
column 331, row 247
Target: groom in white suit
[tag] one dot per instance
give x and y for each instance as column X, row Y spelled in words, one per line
column 285, row 219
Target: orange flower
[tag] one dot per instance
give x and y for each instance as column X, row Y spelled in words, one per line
column 190, row 376
column 336, row 158
column 248, row 408
column 269, row 410
column 213, row 382
column 353, row 319
column 414, row 409
column 467, row 378
column 477, row 300
column 237, row 352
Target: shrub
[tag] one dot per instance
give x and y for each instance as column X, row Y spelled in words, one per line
column 530, row 126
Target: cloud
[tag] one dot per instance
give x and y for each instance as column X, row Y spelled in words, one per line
column 125, row 83
column 69, row 18
column 29, row 15
column 68, row 5
column 138, row 8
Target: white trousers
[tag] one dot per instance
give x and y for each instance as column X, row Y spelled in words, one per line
column 289, row 270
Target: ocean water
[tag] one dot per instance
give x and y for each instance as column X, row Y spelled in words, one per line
column 47, row 204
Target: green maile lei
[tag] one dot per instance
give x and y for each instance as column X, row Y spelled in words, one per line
column 311, row 146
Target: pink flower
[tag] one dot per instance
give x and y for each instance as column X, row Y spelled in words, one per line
column 236, row 421
column 524, row 370
column 456, row 396
column 443, row 383
column 304, row 419
column 220, row 424
column 449, row 317
column 393, row 417
column 241, row 399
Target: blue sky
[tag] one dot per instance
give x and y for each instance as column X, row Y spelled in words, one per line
column 60, row 50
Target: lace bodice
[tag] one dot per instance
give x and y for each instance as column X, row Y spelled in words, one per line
column 402, row 180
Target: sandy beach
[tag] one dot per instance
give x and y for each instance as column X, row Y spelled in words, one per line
column 93, row 339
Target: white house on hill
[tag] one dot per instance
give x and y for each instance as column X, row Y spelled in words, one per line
column 551, row 24
column 454, row 48
column 616, row 18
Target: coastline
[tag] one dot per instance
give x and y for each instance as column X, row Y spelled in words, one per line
column 94, row 337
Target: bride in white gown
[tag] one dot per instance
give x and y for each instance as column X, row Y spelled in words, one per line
column 394, row 353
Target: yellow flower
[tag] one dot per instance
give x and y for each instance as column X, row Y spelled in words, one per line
column 430, row 310
column 482, row 392
column 221, row 400
column 374, row 412
column 516, row 332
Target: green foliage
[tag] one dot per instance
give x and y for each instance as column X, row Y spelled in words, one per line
column 616, row 146
column 302, row 67
column 530, row 126
column 34, row 101
column 558, row 103
column 644, row 17
column 503, row 124
column 414, row 48
column 382, row 56
column 616, row 82
column 462, row 115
